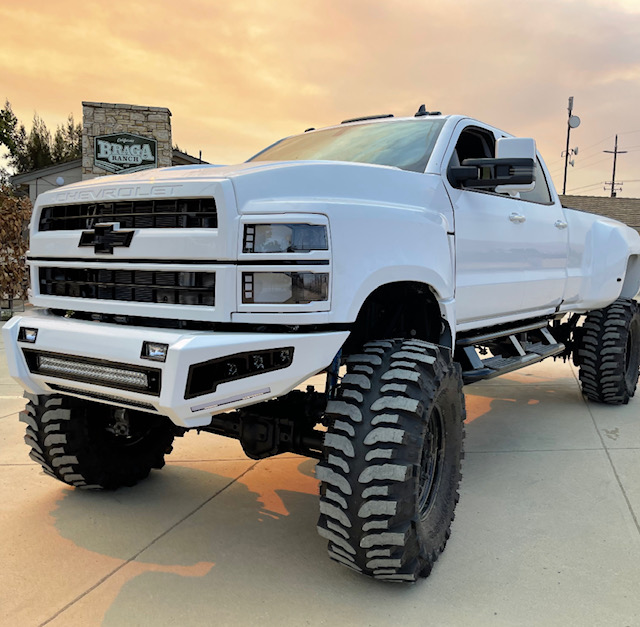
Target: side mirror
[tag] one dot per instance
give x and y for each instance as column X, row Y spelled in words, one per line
column 511, row 171
column 519, row 148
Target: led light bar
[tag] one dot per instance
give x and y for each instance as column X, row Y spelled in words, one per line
column 62, row 367
column 95, row 371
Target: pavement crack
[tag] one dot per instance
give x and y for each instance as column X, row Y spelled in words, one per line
column 613, row 468
column 149, row 545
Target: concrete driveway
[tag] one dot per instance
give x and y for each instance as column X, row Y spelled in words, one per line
column 546, row 532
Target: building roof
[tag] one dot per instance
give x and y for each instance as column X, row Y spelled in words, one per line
column 28, row 177
column 182, row 158
column 178, row 158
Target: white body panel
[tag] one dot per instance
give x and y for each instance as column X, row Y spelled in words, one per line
column 312, row 352
column 488, row 259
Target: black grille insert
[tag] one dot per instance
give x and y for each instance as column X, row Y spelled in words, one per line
column 142, row 286
column 135, row 214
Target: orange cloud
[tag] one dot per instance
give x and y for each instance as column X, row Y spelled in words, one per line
column 237, row 76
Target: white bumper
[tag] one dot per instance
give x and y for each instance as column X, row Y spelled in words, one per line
column 116, row 345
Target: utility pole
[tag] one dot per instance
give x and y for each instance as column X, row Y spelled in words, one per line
column 572, row 122
column 615, row 152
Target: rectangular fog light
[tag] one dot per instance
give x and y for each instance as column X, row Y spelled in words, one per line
column 154, row 351
column 27, row 335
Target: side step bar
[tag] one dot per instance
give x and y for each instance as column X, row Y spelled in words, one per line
column 524, row 345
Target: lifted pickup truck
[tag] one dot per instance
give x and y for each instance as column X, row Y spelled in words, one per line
column 401, row 256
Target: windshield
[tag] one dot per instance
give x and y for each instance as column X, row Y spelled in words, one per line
column 405, row 144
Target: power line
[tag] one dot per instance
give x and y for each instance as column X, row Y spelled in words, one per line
column 577, row 189
column 615, row 153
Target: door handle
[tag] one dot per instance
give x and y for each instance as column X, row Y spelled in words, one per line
column 517, row 218
column 560, row 224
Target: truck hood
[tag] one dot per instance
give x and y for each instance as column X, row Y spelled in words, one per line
column 265, row 181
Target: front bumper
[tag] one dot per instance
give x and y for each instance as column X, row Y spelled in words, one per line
column 120, row 346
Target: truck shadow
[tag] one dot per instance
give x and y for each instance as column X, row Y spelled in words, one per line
column 246, row 553
column 200, row 547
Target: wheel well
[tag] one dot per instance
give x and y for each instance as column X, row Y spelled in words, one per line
column 399, row 310
column 631, row 278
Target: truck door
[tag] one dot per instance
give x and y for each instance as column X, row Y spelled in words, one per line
column 511, row 253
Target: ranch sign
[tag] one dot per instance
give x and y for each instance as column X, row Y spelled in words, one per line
column 125, row 152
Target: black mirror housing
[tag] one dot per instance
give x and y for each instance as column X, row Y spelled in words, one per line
column 489, row 173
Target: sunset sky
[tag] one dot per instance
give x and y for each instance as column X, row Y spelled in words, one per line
column 239, row 75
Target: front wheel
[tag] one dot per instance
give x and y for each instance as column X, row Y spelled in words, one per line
column 609, row 353
column 93, row 446
column 393, row 450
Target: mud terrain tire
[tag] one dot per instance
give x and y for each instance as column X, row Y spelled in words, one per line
column 609, row 353
column 393, row 450
column 74, row 441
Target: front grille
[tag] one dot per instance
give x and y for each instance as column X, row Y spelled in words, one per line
column 142, row 286
column 136, row 214
column 97, row 371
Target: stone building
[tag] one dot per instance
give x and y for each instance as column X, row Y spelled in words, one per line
column 116, row 138
column 106, row 120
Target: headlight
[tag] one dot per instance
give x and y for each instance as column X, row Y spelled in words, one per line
column 284, row 238
column 286, row 288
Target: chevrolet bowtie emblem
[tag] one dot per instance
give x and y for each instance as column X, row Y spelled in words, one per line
column 105, row 237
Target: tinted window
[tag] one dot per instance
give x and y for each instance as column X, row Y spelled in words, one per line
column 405, row 144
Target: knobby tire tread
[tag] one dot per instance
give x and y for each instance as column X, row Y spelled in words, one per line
column 373, row 451
column 609, row 353
column 67, row 439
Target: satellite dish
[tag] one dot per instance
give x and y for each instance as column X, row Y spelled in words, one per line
column 574, row 121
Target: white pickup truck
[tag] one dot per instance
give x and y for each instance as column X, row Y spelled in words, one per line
column 401, row 256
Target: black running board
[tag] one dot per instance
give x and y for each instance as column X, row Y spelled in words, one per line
column 528, row 351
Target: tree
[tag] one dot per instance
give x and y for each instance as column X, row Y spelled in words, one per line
column 67, row 142
column 38, row 149
column 14, row 138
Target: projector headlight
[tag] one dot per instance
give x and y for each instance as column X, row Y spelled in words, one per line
column 284, row 238
column 284, row 288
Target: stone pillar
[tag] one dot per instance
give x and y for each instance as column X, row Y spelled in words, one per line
column 103, row 118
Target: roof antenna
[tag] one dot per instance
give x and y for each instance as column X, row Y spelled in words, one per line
column 421, row 111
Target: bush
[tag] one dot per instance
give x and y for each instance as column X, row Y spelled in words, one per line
column 15, row 212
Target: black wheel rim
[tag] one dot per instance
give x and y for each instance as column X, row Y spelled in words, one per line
column 431, row 463
column 632, row 354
